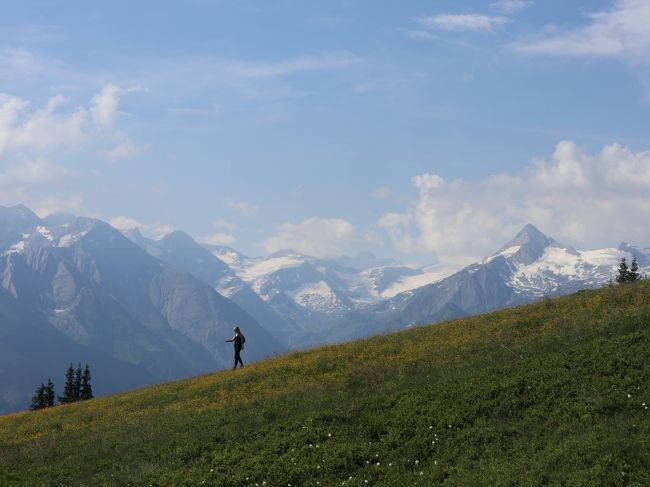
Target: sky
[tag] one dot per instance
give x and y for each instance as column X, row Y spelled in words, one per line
column 426, row 131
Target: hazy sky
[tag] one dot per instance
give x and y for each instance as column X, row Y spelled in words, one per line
column 418, row 130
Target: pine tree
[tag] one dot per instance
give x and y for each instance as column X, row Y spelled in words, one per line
column 38, row 400
column 77, row 383
column 69, row 394
column 49, row 394
column 623, row 272
column 86, row 388
column 633, row 273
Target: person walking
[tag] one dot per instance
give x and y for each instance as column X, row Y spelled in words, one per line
column 238, row 341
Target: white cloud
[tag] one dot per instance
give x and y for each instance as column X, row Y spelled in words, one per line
column 511, row 7
column 125, row 223
column 17, row 63
column 32, row 138
column 31, row 181
column 155, row 230
column 321, row 237
column 218, row 239
column 104, row 105
column 242, row 207
column 51, row 126
column 623, row 31
column 125, row 149
column 34, row 171
column 52, row 204
column 458, row 22
column 582, row 199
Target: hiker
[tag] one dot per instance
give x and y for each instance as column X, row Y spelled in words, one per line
column 238, row 341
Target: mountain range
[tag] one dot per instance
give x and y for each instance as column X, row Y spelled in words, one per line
column 141, row 311
column 97, row 293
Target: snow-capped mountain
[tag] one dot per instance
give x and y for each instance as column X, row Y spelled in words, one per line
column 328, row 284
column 322, row 294
column 527, row 268
column 182, row 252
column 152, row 310
column 97, row 294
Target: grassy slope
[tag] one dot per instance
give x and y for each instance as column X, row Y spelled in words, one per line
column 527, row 396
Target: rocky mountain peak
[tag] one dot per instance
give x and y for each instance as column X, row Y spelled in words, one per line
column 529, row 245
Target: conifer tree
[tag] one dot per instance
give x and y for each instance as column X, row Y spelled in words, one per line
column 49, row 394
column 86, row 388
column 77, row 382
column 623, row 272
column 69, row 394
column 38, row 399
column 633, row 273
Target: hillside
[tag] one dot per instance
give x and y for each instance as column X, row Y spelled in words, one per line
column 549, row 393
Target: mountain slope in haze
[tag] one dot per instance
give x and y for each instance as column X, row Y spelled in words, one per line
column 105, row 293
column 31, row 351
column 554, row 393
column 180, row 251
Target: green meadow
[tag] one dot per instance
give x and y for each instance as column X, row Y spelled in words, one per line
column 552, row 393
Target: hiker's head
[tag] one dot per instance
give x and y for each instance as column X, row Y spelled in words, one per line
column 236, row 329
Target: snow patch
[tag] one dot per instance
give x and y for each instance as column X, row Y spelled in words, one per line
column 233, row 259
column 45, row 232
column 316, row 296
column 558, row 267
column 408, row 283
column 510, row 251
column 68, row 240
column 264, row 267
column 17, row 248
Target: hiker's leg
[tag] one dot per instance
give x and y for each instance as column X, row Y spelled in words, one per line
column 236, row 358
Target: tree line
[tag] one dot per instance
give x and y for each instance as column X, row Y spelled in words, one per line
column 628, row 274
column 77, row 388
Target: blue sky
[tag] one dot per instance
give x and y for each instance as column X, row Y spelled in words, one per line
column 420, row 130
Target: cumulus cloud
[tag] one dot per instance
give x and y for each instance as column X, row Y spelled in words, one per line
column 33, row 138
column 622, row 31
column 242, row 207
column 125, row 149
column 155, row 230
column 104, row 106
column 51, row 126
column 33, row 171
column 320, row 237
column 582, row 199
column 459, row 22
column 52, row 204
column 218, row 239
